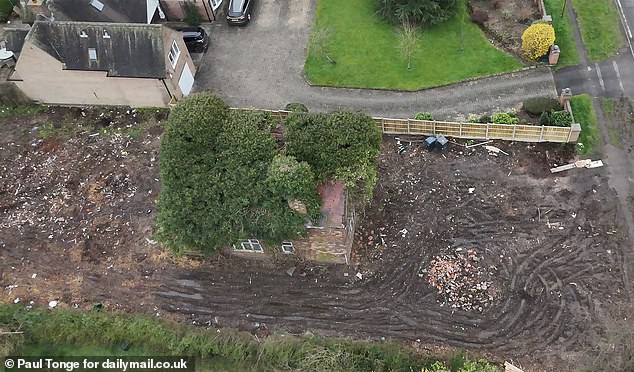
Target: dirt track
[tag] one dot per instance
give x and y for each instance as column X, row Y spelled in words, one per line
column 548, row 246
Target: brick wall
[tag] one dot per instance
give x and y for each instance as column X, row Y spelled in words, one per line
column 324, row 245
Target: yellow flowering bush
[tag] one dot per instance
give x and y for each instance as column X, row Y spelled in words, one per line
column 536, row 40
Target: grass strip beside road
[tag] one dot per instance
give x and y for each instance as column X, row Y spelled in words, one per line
column 584, row 114
column 365, row 49
column 564, row 36
column 600, row 27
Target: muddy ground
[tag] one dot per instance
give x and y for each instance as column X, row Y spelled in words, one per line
column 506, row 21
column 540, row 255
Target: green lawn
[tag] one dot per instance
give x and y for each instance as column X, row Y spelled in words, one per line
column 365, row 49
column 584, row 114
column 564, row 36
column 600, row 27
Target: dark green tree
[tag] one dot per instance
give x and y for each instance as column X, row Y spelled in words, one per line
column 341, row 145
column 418, row 12
column 214, row 168
column 294, row 182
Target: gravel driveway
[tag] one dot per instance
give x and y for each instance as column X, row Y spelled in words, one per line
column 261, row 65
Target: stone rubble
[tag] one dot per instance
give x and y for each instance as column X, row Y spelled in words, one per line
column 460, row 282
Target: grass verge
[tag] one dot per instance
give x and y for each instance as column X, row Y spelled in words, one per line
column 366, row 50
column 585, row 115
column 564, row 36
column 600, row 27
column 608, row 105
column 73, row 333
column 7, row 112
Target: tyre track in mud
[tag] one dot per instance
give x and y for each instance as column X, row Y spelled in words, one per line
column 544, row 241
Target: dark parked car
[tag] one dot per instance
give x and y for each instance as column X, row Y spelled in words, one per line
column 239, row 12
column 195, row 38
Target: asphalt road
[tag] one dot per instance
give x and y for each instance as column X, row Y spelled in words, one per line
column 611, row 78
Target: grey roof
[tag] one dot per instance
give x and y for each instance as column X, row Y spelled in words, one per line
column 14, row 38
column 131, row 50
column 121, row 11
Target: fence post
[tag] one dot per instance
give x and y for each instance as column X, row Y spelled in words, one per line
column 541, row 135
column 487, row 132
column 575, row 130
column 409, row 130
column 514, row 129
column 434, row 128
column 383, row 125
column 460, row 130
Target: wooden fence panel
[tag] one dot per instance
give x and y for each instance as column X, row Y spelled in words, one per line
column 502, row 131
column 556, row 134
column 421, row 127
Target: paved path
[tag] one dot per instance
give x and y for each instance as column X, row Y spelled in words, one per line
column 261, row 65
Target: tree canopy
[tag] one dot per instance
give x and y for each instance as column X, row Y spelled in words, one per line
column 214, row 165
column 341, row 145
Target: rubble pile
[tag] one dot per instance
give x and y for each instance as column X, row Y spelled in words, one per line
column 459, row 281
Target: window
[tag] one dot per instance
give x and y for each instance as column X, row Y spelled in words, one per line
column 174, row 53
column 249, row 245
column 288, row 248
column 92, row 54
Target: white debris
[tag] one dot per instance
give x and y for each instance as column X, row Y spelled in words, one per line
column 471, row 190
column 33, row 276
column 359, row 275
column 52, row 304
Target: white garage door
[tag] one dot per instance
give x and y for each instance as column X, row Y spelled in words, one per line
column 186, row 81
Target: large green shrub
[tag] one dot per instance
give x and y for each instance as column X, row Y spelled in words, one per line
column 294, row 181
column 560, row 118
column 423, row 116
column 341, row 145
column 423, row 12
column 296, row 107
column 504, row 118
column 536, row 105
column 214, row 165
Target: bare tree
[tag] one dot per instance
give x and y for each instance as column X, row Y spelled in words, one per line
column 408, row 41
column 317, row 42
